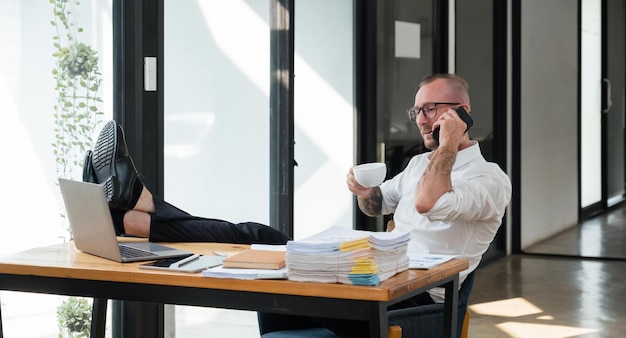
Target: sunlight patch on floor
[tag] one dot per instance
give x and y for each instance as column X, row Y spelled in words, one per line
column 514, row 307
column 519, row 330
column 546, row 317
column 520, row 307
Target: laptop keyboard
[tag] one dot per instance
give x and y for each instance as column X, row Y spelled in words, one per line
column 130, row 252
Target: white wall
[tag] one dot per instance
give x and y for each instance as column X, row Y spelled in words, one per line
column 549, row 115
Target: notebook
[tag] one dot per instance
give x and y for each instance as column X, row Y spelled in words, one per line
column 92, row 226
column 256, row 259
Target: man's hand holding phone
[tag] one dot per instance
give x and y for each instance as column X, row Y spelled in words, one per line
column 464, row 115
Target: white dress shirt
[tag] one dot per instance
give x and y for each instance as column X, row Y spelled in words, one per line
column 463, row 221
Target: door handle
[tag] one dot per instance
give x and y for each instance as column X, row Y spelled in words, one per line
column 606, row 91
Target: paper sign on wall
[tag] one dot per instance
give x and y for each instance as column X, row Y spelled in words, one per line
column 407, row 40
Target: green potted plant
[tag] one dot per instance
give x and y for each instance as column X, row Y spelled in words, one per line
column 74, row 318
column 77, row 83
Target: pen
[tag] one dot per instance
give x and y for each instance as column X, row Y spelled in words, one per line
column 220, row 253
column 185, row 261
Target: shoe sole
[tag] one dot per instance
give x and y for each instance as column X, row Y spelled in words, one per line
column 103, row 158
column 88, row 174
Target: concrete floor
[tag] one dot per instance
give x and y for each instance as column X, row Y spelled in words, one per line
column 602, row 236
column 549, row 297
column 570, row 285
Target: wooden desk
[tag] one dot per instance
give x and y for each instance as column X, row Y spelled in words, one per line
column 61, row 269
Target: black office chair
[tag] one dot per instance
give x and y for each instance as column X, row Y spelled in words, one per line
column 412, row 320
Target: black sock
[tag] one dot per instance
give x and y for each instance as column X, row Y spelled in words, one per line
column 118, row 221
column 137, row 188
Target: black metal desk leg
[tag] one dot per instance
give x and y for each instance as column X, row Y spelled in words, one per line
column 137, row 319
column 98, row 317
column 451, row 308
column 378, row 321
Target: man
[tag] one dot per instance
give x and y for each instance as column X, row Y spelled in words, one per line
column 451, row 199
column 137, row 212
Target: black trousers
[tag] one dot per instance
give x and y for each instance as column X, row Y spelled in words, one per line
column 171, row 224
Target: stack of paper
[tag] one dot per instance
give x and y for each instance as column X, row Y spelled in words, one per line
column 348, row 256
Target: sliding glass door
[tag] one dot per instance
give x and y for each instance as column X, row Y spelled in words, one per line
column 603, row 177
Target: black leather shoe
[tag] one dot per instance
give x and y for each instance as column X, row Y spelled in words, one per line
column 114, row 168
column 89, row 175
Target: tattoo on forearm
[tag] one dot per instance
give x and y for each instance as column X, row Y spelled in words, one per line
column 372, row 205
column 442, row 163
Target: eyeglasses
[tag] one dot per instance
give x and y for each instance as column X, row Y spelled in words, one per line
column 429, row 110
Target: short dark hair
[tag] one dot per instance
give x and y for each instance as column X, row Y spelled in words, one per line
column 456, row 83
column 452, row 78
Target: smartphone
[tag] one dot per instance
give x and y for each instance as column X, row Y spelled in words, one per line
column 202, row 263
column 464, row 115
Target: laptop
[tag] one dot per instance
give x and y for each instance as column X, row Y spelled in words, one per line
column 92, row 226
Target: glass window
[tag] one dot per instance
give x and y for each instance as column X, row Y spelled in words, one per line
column 217, row 108
column 591, row 103
column 33, row 210
column 324, row 115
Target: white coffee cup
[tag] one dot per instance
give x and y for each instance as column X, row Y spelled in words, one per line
column 370, row 174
